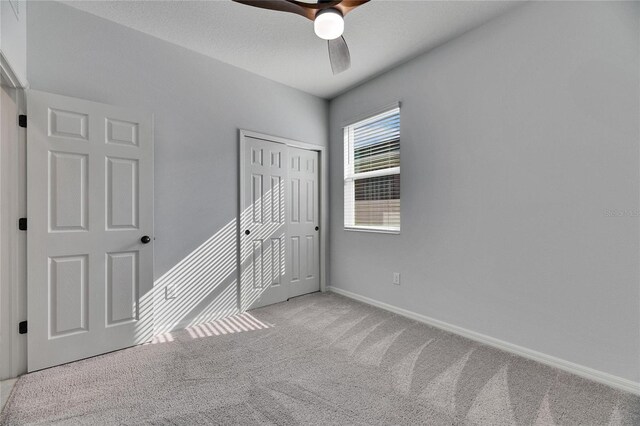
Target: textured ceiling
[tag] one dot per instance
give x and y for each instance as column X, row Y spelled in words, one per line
column 284, row 48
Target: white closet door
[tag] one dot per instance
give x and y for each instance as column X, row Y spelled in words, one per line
column 264, row 278
column 303, row 222
column 90, row 207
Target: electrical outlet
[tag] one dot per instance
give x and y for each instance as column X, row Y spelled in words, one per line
column 396, row 278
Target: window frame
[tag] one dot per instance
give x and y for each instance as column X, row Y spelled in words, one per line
column 350, row 176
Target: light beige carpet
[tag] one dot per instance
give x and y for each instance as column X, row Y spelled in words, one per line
column 318, row 359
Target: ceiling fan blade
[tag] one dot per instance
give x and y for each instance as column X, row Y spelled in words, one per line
column 318, row 5
column 347, row 6
column 344, row 6
column 339, row 55
column 280, row 6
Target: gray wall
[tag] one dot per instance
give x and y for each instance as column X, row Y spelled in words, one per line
column 519, row 140
column 199, row 105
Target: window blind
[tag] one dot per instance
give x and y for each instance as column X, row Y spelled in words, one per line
column 372, row 173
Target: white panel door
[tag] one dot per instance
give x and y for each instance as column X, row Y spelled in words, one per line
column 303, row 257
column 90, row 207
column 264, row 279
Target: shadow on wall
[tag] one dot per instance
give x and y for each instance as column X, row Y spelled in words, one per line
column 203, row 287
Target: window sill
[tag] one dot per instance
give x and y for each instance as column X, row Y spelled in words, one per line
column 373, row 230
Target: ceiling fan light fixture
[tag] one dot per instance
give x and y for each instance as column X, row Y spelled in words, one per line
column 329, row 24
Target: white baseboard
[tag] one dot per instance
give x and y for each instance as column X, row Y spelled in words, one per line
column 561, row 364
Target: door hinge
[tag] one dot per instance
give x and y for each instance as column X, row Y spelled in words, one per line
column 22, row 120
column 22, row 327
column 22, row 224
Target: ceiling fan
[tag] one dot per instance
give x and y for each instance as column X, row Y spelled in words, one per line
column 328, row 22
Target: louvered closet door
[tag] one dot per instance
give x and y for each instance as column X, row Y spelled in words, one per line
column 303, row 230
column 264, row 278
column 90, row 202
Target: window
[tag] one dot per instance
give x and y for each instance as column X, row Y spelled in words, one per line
column 372, row 173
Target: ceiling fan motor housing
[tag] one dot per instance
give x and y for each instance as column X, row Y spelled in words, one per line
column 328, row 24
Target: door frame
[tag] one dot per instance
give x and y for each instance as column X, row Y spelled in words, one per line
column 13, row 280
column 323, row 182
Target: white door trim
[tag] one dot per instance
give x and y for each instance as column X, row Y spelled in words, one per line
column 324, row 185
column 9, row 76
column 12, row 265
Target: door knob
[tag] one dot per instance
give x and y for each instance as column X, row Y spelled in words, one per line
column 247, row 232
column 317, row 228
column 145, row 239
